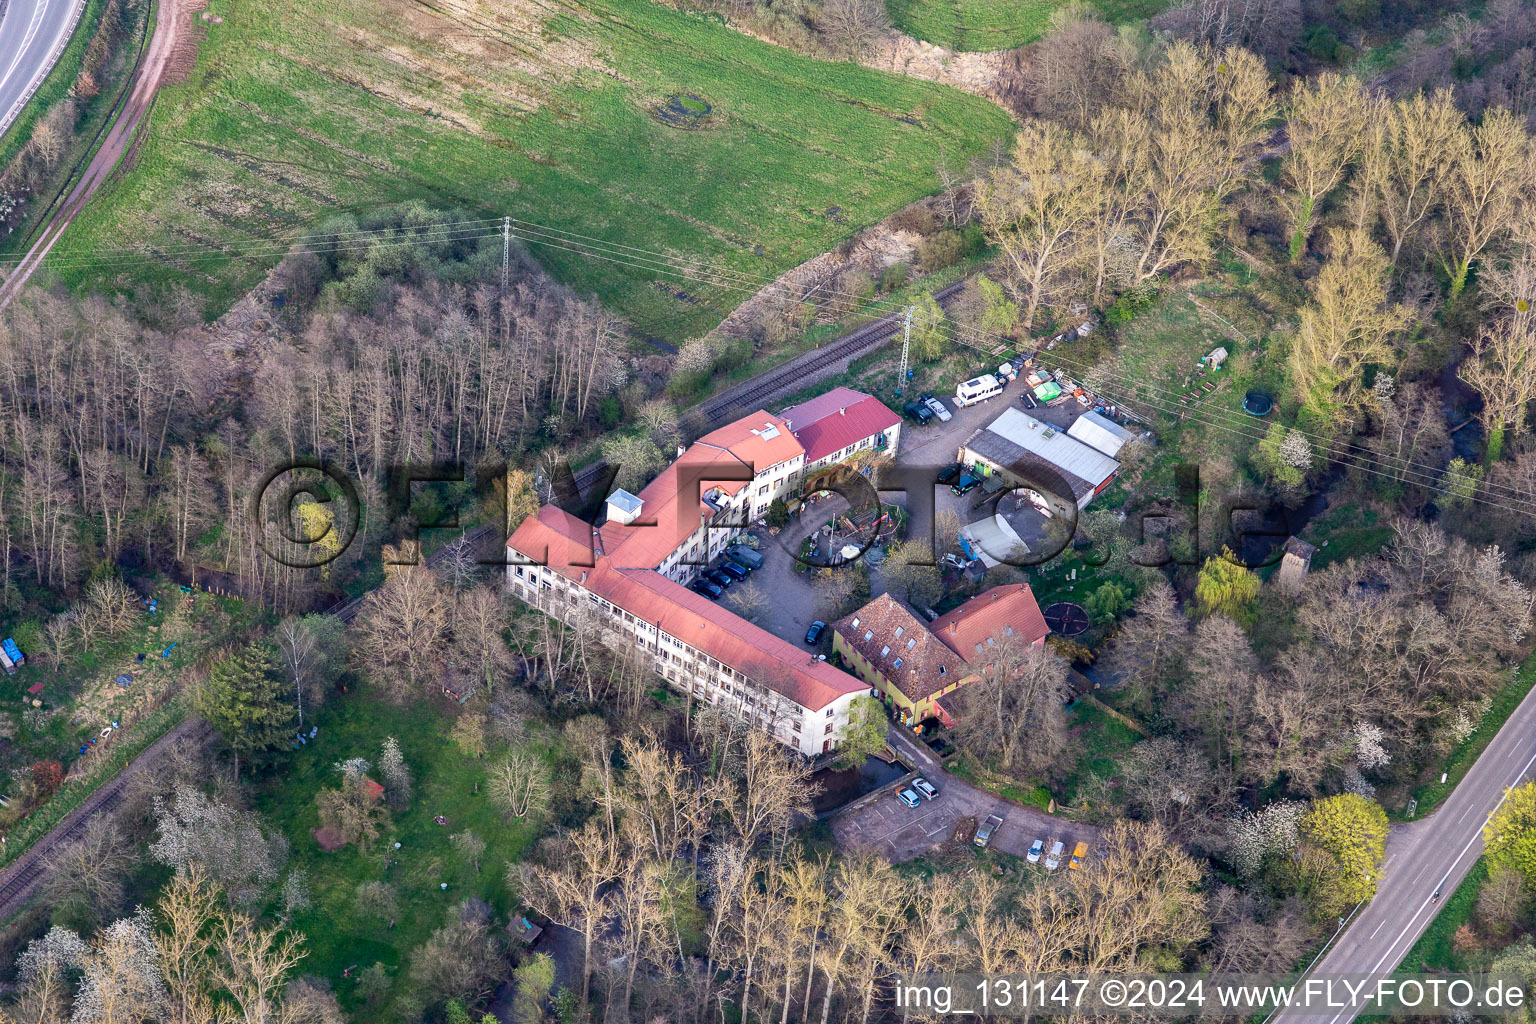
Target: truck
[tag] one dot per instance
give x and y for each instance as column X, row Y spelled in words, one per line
column 988, row 827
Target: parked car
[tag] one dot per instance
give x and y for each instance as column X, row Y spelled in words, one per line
column 1028, row 400
column 966, row 484
column 1053, row 859
column 984, row 834
column 908, row 797
column 924, row 787
column 934, row 406
column 1079, row 854
column 739, row 572
column 706, row 588
column 950, row 473
column 1036, row 851
column 719, row 578
column 745, row 556
column 918, row 412
column 813, row 634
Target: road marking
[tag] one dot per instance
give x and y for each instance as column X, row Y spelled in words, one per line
column 1449, row 871
column 26, row 39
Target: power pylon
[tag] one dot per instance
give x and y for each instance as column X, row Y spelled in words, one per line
column 906, row 352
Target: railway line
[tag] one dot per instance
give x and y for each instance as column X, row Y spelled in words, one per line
column 20, row 881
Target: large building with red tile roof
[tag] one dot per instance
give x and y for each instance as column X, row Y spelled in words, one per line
column 915, row 665
column 628, row 576
column 991, row 617
column 835, row 426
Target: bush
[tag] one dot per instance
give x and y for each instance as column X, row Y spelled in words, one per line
column 609, row 412
column 944, row 249
column 893, row 277
column 1322, row 43
column 1132, row 304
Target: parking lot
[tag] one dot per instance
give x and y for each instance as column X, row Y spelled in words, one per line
column 935, row 446
column 901, row 833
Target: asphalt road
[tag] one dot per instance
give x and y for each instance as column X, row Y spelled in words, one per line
column 1424, row 856
column 32, row 35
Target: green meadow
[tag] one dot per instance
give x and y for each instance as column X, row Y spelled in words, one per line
column 997, row 24
column 618, row 119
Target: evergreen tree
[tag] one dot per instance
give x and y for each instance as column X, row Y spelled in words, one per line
column 244, row 700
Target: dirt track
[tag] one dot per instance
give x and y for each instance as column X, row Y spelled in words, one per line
column 170, row 52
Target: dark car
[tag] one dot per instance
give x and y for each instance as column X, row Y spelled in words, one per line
column 814, row 633
column 950, row 473
column 719, row 578
column 920, row 413
column 739, row 572
column 706, row 588
column 1028, row 400
column 966, row 484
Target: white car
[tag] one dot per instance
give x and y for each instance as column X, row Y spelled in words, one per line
column 924, row 787
column 1036, row 850
column 1053, row 859
column 937, row 407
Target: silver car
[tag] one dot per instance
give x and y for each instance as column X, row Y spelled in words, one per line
column 924, row 787
column 938, row 408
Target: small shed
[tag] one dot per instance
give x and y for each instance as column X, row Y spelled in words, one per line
column 1216, row 358
column 1295, row 561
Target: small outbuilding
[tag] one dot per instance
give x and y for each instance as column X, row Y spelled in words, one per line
column 1216, row 358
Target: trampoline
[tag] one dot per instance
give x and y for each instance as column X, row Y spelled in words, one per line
column 1066, row 618
column 1257, row 403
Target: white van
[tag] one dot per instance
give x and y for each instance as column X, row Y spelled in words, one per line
column 978, row 389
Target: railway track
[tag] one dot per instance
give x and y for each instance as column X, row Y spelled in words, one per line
column 801, row 371
column 785, row 380
column 20, row 881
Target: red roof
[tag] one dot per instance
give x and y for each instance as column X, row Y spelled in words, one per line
column 728, row 638
column 991, row 615
column 760, row 440
column 831, row 422
column 554, row 537
column 746, row 448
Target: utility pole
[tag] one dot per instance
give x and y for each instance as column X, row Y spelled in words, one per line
column 506, row 252
column 906, row 352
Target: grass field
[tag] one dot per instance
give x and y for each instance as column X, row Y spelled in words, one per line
column 448, row 783
column 998, row 24
column 587, row 118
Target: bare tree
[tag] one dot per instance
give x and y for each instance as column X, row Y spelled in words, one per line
column 853, row 25
column 1326, row 131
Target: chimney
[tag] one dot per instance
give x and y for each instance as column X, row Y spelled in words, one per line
column 583, row 577
column 843, row 411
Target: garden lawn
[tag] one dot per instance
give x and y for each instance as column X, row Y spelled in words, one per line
column 298, row 110
column 998, row 24
column 355, row 725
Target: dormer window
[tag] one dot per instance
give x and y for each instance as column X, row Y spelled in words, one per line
column 900, row 630
column 911, row 643
column 885, row 650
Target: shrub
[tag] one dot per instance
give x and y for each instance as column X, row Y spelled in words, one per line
column 893, row 277
column 944, row 249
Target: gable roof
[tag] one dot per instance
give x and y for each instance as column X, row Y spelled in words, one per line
column 927, row 666
column 831, row 422
column 554, row 537
column 1054, row 445
column 1100, row 432
column 748, row 446
column 758, row 440
column 993, row 614
column 701, row 623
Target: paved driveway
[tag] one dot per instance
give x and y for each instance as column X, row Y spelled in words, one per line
column 902, row 833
